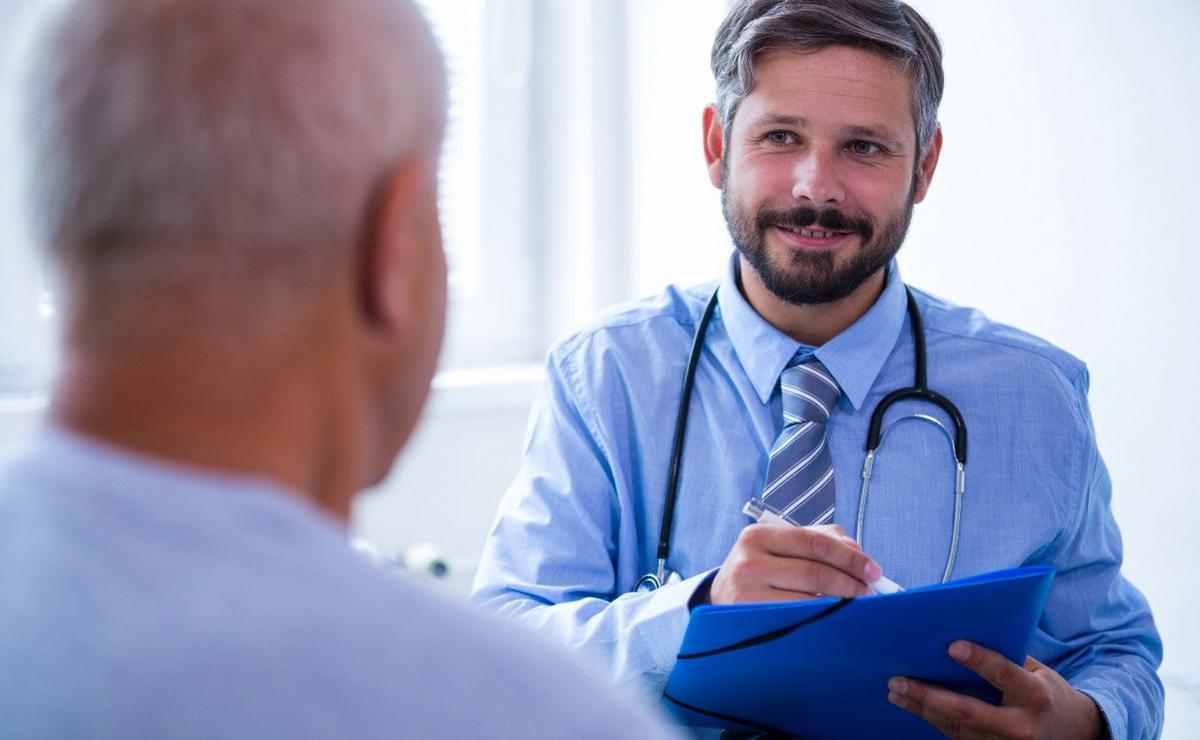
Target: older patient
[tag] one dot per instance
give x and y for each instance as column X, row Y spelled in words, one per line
column 240, row 199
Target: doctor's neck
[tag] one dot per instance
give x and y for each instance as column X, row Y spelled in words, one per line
column 813, row 324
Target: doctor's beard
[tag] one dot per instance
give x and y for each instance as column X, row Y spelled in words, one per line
column 813, row 277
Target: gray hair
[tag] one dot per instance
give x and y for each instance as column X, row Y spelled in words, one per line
column 232, row 147
column 886, row 27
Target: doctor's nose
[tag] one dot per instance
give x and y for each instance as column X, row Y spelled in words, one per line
column 815, row 179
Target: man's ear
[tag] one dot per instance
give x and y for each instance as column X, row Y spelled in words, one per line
column 928, row 165
column 714, row 145
column 390, row 267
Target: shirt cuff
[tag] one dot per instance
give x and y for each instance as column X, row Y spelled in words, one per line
column 1111, row 713
column 672, row 605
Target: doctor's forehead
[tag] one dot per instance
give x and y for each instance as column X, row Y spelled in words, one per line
column 838, row 85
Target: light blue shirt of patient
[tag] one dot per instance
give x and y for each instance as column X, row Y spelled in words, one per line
column 140, row 599
column 580, row 524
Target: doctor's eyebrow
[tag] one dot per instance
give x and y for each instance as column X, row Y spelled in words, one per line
column 880, row 134
column 779, row 120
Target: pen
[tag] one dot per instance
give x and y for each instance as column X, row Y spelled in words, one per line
column 755, row 510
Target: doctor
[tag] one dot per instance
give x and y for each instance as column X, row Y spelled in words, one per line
column 823, row 137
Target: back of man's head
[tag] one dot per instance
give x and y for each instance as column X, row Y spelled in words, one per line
column 227, row 151
column 239, row 197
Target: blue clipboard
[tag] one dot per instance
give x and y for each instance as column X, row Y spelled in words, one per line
column 820, row 668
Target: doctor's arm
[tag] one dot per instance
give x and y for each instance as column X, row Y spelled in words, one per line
column 573, row 536
column 563, row 552
column 1097, row 635
column 1097, row 630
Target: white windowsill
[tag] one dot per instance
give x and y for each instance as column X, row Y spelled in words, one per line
column 473, row 390
column 485, row 389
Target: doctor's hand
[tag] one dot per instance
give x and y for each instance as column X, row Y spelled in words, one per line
column 1038, row 703
column 781, row 562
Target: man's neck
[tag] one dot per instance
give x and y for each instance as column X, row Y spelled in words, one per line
column 211, row 411
column 812, row 324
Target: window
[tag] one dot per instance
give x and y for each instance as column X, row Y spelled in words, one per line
column 569, row 180
column 26, row 335
column 484, row 179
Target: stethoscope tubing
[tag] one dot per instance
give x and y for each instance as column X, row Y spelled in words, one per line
column 659, row 577
column 918, row 391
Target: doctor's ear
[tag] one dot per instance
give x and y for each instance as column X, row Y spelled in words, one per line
column 714, row 145
column 926, row 167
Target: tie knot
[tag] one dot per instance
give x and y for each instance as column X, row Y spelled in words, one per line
column 809, row 393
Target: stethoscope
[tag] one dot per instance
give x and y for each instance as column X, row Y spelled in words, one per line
column 875, row 434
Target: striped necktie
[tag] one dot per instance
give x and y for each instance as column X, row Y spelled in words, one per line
column 800, row 485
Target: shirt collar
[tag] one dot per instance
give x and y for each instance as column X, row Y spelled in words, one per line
column 855, row 357
column 106, row 464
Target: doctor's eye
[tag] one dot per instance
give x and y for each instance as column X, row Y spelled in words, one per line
column 864, row 148
column 780, row 137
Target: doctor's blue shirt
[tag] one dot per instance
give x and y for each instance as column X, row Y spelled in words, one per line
column 580, row 524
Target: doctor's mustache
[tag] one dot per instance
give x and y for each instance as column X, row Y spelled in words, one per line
column 829, row 219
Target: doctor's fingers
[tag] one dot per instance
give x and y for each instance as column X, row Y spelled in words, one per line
column 815, row 577
column 953, row 714
column 807, row 543
column 750, row 580
column 1026, row 686
column 754, row 575
column 837, row 531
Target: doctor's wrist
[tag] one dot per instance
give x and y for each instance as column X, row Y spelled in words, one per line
column 703, row 593
column 1099, row 730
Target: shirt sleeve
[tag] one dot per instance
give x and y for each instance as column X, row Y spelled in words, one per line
column 1097, row 629
column 559, row 555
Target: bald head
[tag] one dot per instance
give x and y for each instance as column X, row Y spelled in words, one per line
column 230, row 149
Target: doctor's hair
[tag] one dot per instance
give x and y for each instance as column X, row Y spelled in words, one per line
column 887, row 27
column 227, row 150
